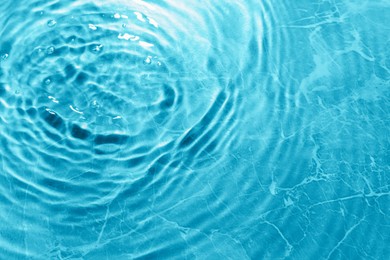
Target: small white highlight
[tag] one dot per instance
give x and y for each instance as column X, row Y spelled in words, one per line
column 53, row 99
column 126, row 36
column 162, row 144
column 92, row 27
column 145, row 44
column 50, row 111
column 140, row 16
column 75, row 110
column 153, row 22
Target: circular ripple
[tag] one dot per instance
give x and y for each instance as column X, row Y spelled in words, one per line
column 158, row 130
column 95, row 102
column 117, row 82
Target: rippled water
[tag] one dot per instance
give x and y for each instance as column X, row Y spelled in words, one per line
column 194, row 129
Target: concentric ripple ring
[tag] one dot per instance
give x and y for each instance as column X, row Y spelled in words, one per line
column 194, row 129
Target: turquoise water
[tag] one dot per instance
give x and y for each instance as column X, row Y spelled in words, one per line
column 194, row 129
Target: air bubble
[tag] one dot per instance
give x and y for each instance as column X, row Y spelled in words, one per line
column 4, row 56
column 51, row 23
column 47, row 81
column 50, row 50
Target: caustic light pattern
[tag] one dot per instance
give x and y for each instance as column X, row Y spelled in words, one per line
column 194, row 129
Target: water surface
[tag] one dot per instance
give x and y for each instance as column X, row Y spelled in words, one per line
column 194, row 129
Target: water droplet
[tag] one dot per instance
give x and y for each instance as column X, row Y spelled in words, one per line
column 50, row 50
column 148, row 60
column 4, row 56
column 124, row 25
column 96, row 48
column 51, row 23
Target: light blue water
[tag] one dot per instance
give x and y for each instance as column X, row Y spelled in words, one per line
column 194, row 129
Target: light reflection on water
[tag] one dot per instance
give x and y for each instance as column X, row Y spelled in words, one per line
column 144, row 129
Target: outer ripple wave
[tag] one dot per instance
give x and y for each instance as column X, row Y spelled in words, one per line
column 183, row 130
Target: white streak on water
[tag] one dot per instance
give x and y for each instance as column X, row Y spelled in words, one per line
column 75, row 110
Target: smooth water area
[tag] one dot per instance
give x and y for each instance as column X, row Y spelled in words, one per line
column 194, row 129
